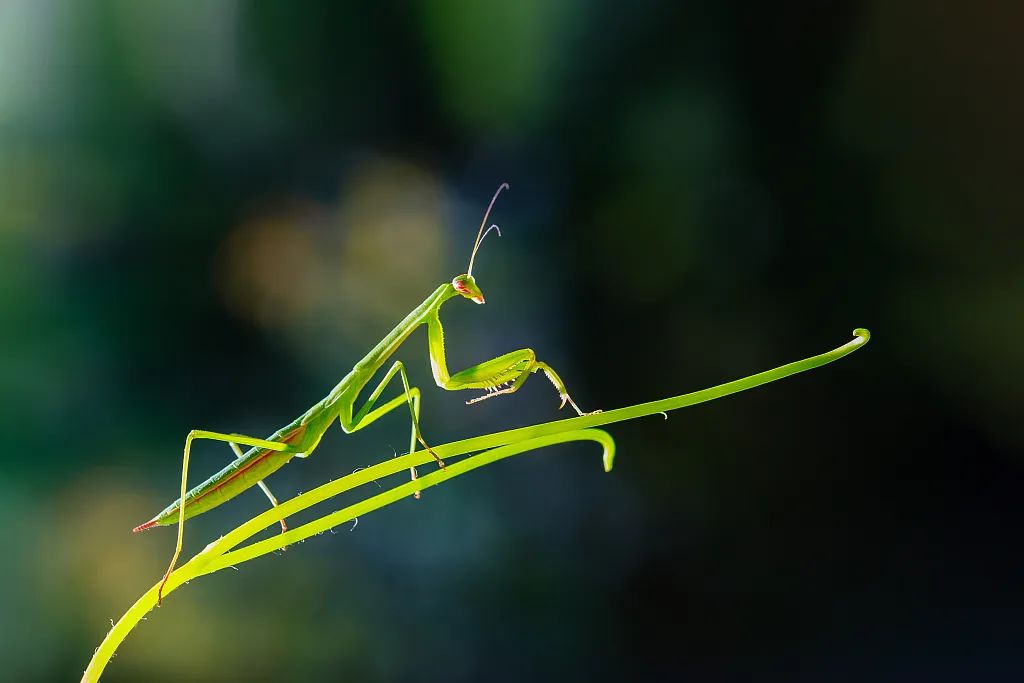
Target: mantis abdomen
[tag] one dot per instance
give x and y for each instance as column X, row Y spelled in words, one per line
column 253, row 466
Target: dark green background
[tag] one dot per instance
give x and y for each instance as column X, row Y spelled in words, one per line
column 210, row 210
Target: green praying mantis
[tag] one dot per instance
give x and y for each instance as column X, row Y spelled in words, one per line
column 498, row 376
column 230, row 550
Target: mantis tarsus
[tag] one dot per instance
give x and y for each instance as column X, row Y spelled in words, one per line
column 502, row 375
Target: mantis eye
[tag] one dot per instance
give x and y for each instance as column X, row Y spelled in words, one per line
column 466, row 286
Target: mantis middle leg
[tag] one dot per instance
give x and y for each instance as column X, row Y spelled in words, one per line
column 367, row 414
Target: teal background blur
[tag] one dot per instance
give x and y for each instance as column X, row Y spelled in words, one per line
column 210, row 210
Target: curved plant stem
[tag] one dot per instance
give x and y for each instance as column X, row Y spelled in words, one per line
column 488, row 448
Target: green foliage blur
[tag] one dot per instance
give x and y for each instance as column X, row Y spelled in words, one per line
column 210, row 210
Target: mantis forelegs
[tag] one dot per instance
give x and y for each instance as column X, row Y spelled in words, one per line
column 498, row 376
column 527, row 369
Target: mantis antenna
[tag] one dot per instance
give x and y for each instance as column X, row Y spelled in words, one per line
column 482, row 234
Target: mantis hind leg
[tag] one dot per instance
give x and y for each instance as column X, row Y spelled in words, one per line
column 213, row 436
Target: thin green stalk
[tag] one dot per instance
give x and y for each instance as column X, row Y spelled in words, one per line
column 488, row 448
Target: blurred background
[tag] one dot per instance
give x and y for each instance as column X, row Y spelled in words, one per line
column 210, row 210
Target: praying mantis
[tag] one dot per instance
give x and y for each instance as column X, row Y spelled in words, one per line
column 498, row 376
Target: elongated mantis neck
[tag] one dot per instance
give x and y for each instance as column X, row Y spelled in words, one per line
column 378, row 355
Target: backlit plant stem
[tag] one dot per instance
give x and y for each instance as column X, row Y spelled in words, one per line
column 488, row 448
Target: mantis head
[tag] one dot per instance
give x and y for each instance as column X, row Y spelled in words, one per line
column 467, row 287
column 465, row 284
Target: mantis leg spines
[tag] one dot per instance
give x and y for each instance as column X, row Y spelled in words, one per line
column 492, row 373
column 559, row 385
column 511, row 389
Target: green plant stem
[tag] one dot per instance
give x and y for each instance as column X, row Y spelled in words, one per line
column 219, row 555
